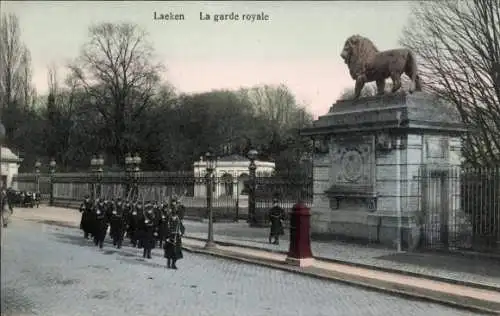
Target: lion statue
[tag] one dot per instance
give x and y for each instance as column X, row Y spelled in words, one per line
column 366, row 64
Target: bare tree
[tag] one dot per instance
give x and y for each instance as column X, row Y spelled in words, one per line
column 369, row 90
column 117, row 71
column 281, row 117
column 15, row 64
column 458, row 44
column 277, row 104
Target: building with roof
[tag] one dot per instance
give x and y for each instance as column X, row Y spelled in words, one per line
column 9, row 166
column 230, row 175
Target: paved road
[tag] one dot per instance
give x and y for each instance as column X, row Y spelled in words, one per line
column 483, row 271
column 51, row 271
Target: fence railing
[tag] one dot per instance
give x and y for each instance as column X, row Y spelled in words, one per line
column 460, row 208
column 230, row 194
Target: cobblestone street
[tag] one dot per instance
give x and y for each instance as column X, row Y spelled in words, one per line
column 445, row 266
column 51, row 271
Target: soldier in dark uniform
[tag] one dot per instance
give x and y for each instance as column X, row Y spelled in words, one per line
column 117, row 223
column 135, row 219
column 86, row 221
column 176, row 204
column 163, row 223
column 276, row 217
column 101, row 224
column 148, row 230
column 173, row 243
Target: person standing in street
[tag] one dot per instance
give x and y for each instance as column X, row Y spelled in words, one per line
column 5, row 207
column 276, row 217
column 173, row 243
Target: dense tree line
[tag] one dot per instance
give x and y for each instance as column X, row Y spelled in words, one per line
column 114, row 102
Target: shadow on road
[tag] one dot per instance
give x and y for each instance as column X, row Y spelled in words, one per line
column 455, row 263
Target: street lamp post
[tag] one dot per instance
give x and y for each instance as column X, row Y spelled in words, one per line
column 252, row 155
column 128, row 171
column 211, row 162
column 96, row 163
column 38, row 164
column 52, row 170
column 136, row 162
column 2, row 137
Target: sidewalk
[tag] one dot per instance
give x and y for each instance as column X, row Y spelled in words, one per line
column 480, row 272
column 396, row 283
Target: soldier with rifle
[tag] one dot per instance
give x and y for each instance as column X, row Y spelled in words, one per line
column 148, row 230
column 117, row 223
column 86, row 220
column 100, row 223
column 173, row 242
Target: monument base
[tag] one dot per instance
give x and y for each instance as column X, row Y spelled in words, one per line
column 384, row 233
column 381, row 164
column 300, row 262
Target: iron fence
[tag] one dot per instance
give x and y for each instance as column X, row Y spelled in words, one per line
column 460, row 208
column 230, row 194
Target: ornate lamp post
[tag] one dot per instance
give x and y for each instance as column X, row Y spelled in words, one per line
column 211, row 162
column 252, row 155
column 2, row 137
column 38, row 164
column 96, row 164
column 136, row 163
column 128, row 173
column 52, row 170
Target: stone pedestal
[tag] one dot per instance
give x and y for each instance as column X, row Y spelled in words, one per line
column 299, row 252
column 368, row 157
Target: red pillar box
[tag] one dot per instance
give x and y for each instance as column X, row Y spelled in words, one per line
column 300, row 239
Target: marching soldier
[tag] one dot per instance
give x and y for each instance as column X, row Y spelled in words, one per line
column 163, row 223
column 86, row 221
column 276, row 217
column 173, row 244
column 134, row 221
column 147, row 235
column 100, row 224
column 176, row 205
column 117, row 223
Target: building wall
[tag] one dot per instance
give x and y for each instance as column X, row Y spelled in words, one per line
column 9, row 170
column 233, row 171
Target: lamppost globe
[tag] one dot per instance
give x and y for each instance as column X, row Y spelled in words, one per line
column 52, row 163
column 252, row 154
column 38, row 164
column 211, row 161
column 137, row 159
column 128, row 159
column 93, row 161
column 100, row 161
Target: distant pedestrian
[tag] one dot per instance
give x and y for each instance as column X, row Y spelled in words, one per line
column 5, row 207
column 173, row 243
column 276, row 218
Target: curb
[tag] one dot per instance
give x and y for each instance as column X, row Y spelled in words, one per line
column 408, row 292
column 366, row 266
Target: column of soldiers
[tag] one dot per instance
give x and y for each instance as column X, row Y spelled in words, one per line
column 146, row 224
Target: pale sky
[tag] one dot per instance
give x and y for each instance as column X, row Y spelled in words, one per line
column 298, row 46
